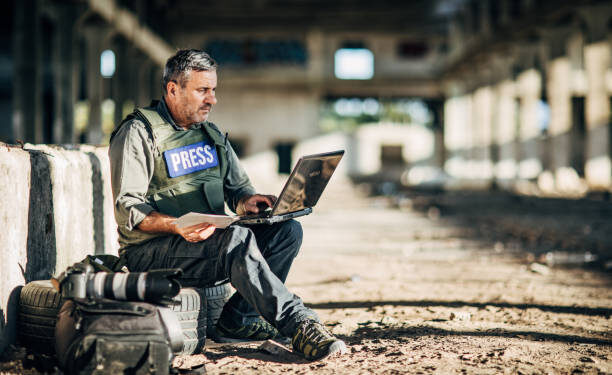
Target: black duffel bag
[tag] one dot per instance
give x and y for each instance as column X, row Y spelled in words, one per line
column 114, row 337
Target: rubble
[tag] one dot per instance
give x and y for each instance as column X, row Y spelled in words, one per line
column 539, row 268
column 461, row 316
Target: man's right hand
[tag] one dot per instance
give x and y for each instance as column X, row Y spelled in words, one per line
column 196, row 233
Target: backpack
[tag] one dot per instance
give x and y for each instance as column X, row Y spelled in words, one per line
column 114, row 337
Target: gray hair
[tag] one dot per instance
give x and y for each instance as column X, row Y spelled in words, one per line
column 179, row 66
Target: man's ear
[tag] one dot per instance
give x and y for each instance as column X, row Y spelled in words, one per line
column 171, row 88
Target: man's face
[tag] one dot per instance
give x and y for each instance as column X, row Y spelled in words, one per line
column 194, row 101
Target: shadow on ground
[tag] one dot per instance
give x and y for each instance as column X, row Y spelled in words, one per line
column 402, row 332
column 557, row 231
column 249, row 352
column 590, row 311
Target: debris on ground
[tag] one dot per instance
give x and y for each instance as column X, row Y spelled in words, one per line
column 461, row 316
column 539, row 268
column 274, row 348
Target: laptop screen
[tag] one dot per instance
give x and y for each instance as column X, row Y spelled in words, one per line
column 307, row 182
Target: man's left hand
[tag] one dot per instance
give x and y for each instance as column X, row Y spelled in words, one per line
column 255, row 204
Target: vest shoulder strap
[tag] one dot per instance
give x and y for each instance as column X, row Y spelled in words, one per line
column 151, row 116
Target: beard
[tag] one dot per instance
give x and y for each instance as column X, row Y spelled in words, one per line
column 197, row 116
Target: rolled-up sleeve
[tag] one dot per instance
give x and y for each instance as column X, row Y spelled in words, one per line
column 236, row 183
column 132, row 164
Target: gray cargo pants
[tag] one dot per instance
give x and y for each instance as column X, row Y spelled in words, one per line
column 256, row 260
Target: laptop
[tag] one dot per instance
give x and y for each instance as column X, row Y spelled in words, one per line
column 302, row 190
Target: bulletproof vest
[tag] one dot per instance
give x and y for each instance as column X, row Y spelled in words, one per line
column 190, row 166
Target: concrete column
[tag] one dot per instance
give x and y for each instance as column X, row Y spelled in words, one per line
column 456, row 36
column 120, row 83
column 143, row 81
column 457, row 134
column 315, row 43
column 560, row 129
column 133, row 66
column 27, row 84
column 437, row 108
column 94, row 38
column 485, row 17
column 450, row 141
column 482, row 126
column 529, row 91
column 504, row 8
column 598, row 168
column 63, row 60
column 506, row 134
column 155, row 79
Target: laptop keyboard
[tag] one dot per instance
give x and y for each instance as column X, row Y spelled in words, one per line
column 257, row 216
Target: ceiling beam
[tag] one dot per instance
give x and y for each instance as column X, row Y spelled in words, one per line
column 127, row 24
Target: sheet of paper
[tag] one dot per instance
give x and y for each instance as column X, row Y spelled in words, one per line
column 193, row 218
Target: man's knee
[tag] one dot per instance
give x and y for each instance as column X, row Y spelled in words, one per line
column 291, row 233
column 294, row 231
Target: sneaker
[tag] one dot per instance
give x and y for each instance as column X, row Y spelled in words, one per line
column 259, row 330
column 314, row 341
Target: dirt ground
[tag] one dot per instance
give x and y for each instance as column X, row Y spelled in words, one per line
column 412, row 291
column 409, row 292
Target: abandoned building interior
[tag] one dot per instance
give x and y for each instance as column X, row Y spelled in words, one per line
column 488, row 96
column 515, row 93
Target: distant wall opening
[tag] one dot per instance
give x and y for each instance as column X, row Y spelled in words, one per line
column 578, row 135
column 391, row 155
column 283, row 150
column 354, row 63
column 610, row 129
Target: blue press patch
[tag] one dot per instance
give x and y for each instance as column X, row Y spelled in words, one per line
column 188, row 159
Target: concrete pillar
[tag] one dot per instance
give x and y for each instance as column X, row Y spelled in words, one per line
column 504, row 12
column 94, row 38
column 133, row 66
column 155, row 79
column 598, row 168
column 481, row 141
column 485, row 17
column 529, row 91
column 27, row 84
column 456, row 36
column 559, row 95
column 437, row 108
column 120, row 83
column 315, row 43
column 143, row 81
column 457, row 134
column 63, row 61
column 506, row 134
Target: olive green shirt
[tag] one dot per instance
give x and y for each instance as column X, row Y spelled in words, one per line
column 131, row 154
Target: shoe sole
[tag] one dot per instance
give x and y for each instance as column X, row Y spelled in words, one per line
column 336, row 349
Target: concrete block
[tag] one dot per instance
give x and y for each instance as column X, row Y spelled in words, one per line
column 72, row 202
column 57, row 208
column 107, row 232
column 14, row 211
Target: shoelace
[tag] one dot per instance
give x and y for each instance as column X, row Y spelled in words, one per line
column 314, row 331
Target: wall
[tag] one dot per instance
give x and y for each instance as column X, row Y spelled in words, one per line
column 263, row 104
column 57, row 208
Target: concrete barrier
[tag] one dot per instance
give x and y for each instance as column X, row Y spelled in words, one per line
column 56, row 209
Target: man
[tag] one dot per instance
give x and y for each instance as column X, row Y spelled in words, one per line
column 167, row 160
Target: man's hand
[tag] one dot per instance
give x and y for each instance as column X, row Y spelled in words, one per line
column 196, row 233
column 156, row 222
column 255, row 204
